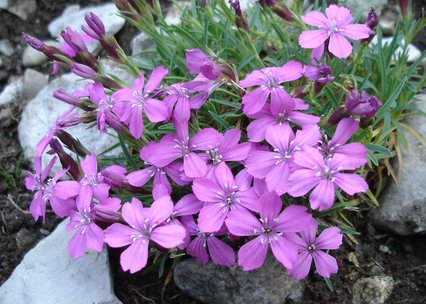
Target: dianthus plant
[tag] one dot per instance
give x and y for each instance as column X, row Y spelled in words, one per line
column 241, row 133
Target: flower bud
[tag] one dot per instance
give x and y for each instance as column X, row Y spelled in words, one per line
column 74, row 40
column 95, row 28
column 361, row 103
column 340, row 113
column 372, row 19
column 83, row 71
column 66, row 97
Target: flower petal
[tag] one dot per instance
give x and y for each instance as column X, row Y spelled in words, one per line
column 119, row 235
column 212, row 217
column 322, row 197
column 285, row 252
column 194, row 166
column 312, row 39
column 168, row 236
column 252, row 255
column 254, row 100
column 330, row 238
column 220, row 252
column 339, row 46
column 315, row 19
column 356, row 31
column 135, row 257
column 242, row 222
column 301, row 269
column 325, row 263
column 351, row 183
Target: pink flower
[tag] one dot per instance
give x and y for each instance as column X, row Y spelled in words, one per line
column 282, row 115
column 105, row 104
column 159, row 174
column 173, row 147
column 356, row 153
column 46, row 192
column 143, row 228
column 269, row 231
column 336, row 26
column 276, row 165
column 88, row 234
column 324, row 176
column 198, row 62
column 269, row 80
column 310, row 247
column 207, row 244
column 179, row 99
column 222, row 193
column 133, row 102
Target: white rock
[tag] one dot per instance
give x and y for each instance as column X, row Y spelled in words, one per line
column 413, row 52
column 374, row 290
column 49, row 275
column 13, row 92
column 140, row 42
column 41, row 112
column 108, row 13
column 21, row 8
column 6, row 47
column 34, row 82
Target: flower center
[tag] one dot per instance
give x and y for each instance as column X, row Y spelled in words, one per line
column 183, row 146
column 270, row 80
column 214, row 156
column 311, row 248
column 139, row 100
column 91, row 179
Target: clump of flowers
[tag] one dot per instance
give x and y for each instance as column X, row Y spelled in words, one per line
column 225, row 158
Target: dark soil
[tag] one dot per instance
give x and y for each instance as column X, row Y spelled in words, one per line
column 377, row 252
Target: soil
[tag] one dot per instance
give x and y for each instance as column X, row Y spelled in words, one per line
column 403, row 258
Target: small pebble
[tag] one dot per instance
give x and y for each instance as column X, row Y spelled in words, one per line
column 384, row 249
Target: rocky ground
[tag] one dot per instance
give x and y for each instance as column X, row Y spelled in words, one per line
column 382, row 266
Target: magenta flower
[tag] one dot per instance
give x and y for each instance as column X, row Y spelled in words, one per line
column 284, row 114
column 269, row 80
column 227, row 149
column 65, row 120
column 276, row 165
column 90, row 186
column 222, row 193
column 132, row 102
column 361, row 103
column 207, row 244
column 179, row 99
column 198, row 62
column 88, row 234
column 105, row 104
column 143, row 228
column 336, row 26
column 311, row 247
column 356, row 153
column 46, row 192
column 269, row 231
column 141, row 177
column 324, row 176
column 172, row 147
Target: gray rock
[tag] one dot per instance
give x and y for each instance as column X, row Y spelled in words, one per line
column 13, row 92
column 140, row 43
column 21, row 8
column 6, row 47
column 403, row 205
column 374, row 290
column 41, row 112
column 362, row 7
column 213, row 284
column 49, row 275
column 108, row 13
column 34, row 82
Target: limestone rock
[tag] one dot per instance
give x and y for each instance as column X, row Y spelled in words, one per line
column 403, row 205
column 108, row 13
column 213, row 284
column 49, row 275
column 34, row 82
column 6, row 47
column 375, row 290
column 13, row 92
